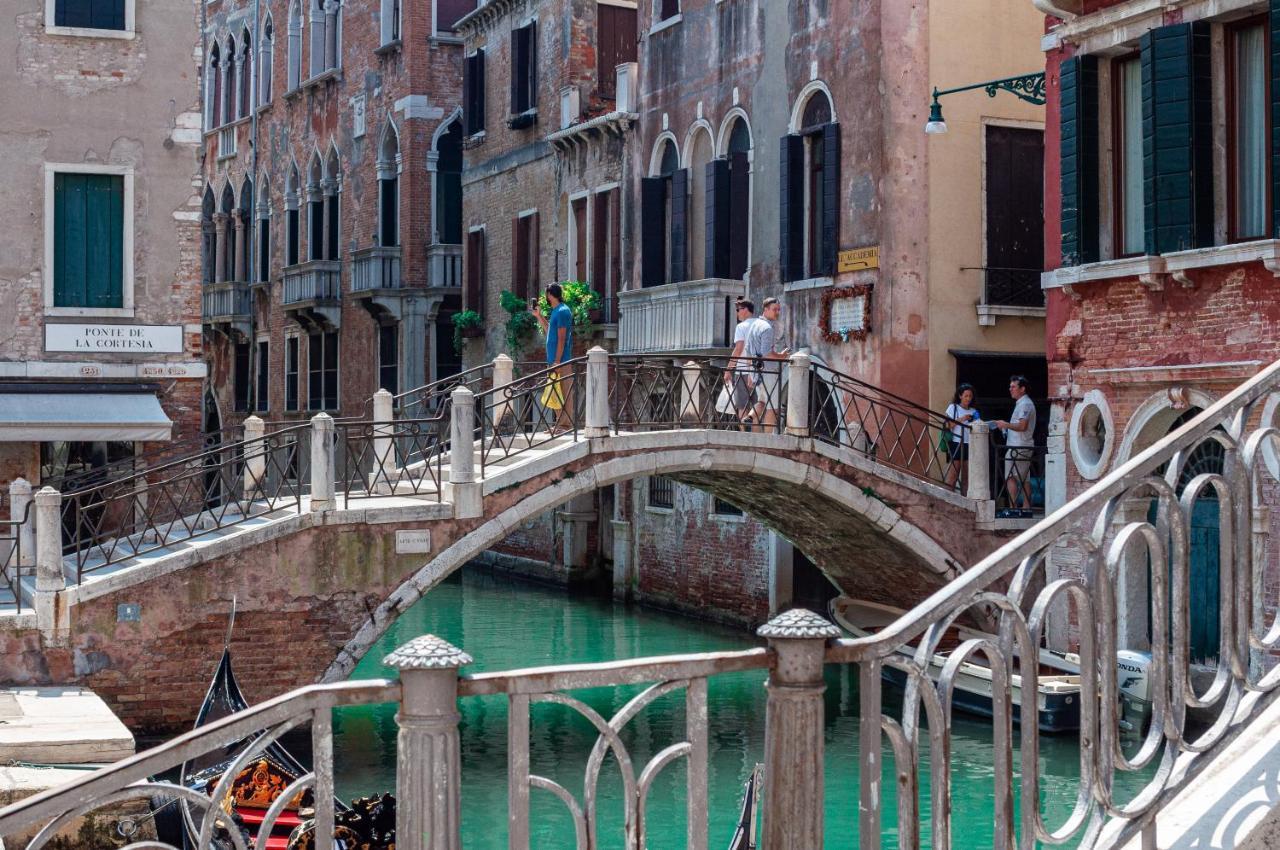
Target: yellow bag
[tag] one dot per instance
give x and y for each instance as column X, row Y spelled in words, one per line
column 553, row 393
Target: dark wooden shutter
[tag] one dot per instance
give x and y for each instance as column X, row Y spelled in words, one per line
column 739, row 208
column 473, row 288
column 519, row 258
column 599, row 276
column 1079, row 159
column 517, row 69
column 830, row 199
column 717, row 235
column 615, row 251
column 535, row 255
column 653, row 231
column 680, row 225
column 469, row 94
column 1275, row 117
column 531, row 65
column 791, row 207
column 616, row 44
column 1177, row 138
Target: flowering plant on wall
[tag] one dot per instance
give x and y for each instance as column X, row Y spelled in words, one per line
column 581, row 300
column 854, row 314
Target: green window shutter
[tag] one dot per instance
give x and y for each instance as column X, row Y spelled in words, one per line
column 1275, row 117
column 1078, row 104
column 1177, row 137
column 791, row 207
column 88, row 253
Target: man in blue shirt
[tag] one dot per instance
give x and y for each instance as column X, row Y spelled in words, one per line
column 559, row 330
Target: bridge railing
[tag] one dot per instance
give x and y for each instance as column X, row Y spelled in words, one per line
column 653, row 392
column 390, row 456
column 17, row 546
column 530, row 411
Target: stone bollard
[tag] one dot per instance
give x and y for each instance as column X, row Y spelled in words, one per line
column 428, row 760
column 322, row 462
column 52, row 619
column 979, row 462
column 19, row 500
column 255, row 457
column 690, row 392
column 597, row 393
column 385, row 467
column 463, row 486
column 798, row 395
column 504, row 371
column 793, row 795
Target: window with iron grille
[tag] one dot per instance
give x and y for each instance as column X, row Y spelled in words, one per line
column 661, row 492
column 720, row 507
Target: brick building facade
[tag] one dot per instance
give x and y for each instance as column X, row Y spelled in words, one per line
column 331, row 207
column 100, row 345
column 1160, row 238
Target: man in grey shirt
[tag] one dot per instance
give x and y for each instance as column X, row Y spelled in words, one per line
column 1019, row 439
column 761, row 338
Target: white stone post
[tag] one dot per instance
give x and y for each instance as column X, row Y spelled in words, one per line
column 463, row 486
column 428, row 755
column 255, row 457
column 52, row 619
column 980, row 462
column 322, row 462
column 690, row 392
column 793, row 790
column 19, row 499
column 386, row 469
column 1055, row 468
column 504, row 371
column 597, row 393
column 798, row 395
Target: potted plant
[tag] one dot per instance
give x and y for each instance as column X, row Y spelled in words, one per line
column 520, row 323
column 467, row 324
column 582, row 301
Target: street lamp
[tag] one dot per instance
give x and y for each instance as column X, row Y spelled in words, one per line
column 1028, row 87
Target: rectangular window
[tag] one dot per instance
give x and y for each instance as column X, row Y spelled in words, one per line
column 661, row 492
column 1014, row 181
column 449, row 12
column 1247, row 98
column 333, row 239
column 389, row 212
column 260, row 402
column 579, row 255
column 389, row 358
column 322, row 371
column 90, row 14
column 292, row 251
column 291, row 373
column 240, row 380
column 602, row 249
column 264, row 250
column 615, row 45
column 88, row 240
column 473, row 289
column 1126, row 121
column 719, row 507
column 473, row 93
column 315, row 230
column 524, row 256
column 668, row 9
column 524, row 69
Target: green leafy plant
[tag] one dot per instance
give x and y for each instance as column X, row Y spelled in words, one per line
column 579, row 297
column 520, row 323
column 462, row 322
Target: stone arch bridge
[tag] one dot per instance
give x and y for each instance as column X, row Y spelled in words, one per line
column 323, row 533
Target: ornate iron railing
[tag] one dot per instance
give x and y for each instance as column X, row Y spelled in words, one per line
column 16, row 558
column 1010, row 287
column 655, row 392
column 400, row 457
column 530, row 411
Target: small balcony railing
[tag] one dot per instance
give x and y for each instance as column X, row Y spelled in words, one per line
column 227, row 141
column 375, row 268
column 444, row 264
column 225, row 302
column 695, row 315
column 1008, row 287
column 314, row 280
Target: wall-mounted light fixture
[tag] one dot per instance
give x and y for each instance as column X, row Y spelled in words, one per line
column 1028, row 87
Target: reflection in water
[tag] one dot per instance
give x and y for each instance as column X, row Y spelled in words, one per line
column 507, row 624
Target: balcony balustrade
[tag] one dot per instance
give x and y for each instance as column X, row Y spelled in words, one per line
column 1010, row 292
column 444, row 265
column 229, row 304
column 375, row 268
column 695, row 315
column 312, row 291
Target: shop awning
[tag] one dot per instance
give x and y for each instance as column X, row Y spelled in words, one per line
column 49, row 417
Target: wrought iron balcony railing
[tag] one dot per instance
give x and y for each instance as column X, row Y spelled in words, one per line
column 375, row 268
column 1008, row 287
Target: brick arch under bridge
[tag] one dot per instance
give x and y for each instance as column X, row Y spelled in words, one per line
column 315, row 593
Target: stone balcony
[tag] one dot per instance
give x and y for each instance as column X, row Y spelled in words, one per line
column 688, row 317
column 227, row 306
column 444, row 266
column 313, row 292
column 377, row 282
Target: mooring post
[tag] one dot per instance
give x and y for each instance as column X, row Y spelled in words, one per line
column 463, row 486
column 793, row 795
column 322, row 462
column 597, row 393
column 798, row 395
column 385, row 468
column 428, row 761
column 255, row 456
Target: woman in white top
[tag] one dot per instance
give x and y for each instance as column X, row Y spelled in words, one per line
column 960, row 414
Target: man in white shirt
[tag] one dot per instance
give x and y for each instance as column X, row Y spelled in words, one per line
column 1019, row 441
column 737, row 375
column 759, row 346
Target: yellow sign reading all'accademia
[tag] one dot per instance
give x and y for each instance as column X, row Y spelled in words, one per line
column 859, row 259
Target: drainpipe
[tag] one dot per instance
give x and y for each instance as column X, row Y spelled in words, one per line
column 251, row 244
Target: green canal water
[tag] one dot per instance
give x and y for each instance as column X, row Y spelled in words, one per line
column 507, row 624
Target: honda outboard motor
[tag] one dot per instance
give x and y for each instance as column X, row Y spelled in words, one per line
column 1133, row 675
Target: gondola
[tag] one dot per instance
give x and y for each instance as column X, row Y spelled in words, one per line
column 744, row 837
column 366, row 824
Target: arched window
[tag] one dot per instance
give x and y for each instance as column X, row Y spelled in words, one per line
column 213, row 89
column 208, row 237
column 701, row 245
column 325, row 35
column 227, row 250
column 266, row 61
column 810, row 189
column 448, row 211
column 295, row 44
column 389, row 187
column 732, row 203
column 244, row 232
column 263, row 257
column 229, row 81
column 315, row 209
column 292, row 235
column 245, row 71
column 332, row 186
column 663, row 218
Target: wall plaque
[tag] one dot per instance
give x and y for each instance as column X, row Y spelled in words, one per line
column 113, row 339
column 413, row 542
column 846, row 313
column 858, row 259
